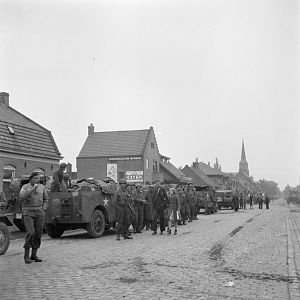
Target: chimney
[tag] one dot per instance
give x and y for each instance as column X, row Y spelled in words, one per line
column 208, row 164
column 69, row 168
column 90, row 129
column 4, row 98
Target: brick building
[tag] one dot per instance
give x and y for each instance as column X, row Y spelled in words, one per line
column 198, row 177
column 25, row 146
column 171, row 174
column 132, row 155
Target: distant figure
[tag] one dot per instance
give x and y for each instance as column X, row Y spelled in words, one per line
column 260, row 201
column 251, row 201
column 267, row 201
column 235, row 201
column 58, row 184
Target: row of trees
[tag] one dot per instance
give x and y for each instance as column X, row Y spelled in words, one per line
column 269, row 187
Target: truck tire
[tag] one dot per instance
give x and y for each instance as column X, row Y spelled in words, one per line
column 4, row 238
column 20, row 224
column 55, row 231
column 97, row 225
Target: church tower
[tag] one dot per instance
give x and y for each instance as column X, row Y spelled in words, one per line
column 243, row 166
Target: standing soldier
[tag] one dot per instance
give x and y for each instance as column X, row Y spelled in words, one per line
column 58, row 184
column 235, row 201
column 260, row 201
column 148, row 207
column 267, row 201
column 138, row 205
column 188, row 204
column 34, row 204
column 160, row 201
column 182, row 199
column 123, row 200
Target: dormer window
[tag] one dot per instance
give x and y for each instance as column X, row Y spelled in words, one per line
column 11, row 130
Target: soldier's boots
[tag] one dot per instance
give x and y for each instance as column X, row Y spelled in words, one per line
column 154, row 232
column 175, row 232
column 118, row 237
column 127, row 237
column 169, row 231
column 34, row 256
column 26, row 256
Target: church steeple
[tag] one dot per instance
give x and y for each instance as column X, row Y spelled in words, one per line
column 243, row 165
column 243, row 155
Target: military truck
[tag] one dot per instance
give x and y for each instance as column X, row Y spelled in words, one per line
column 91, row 207
column 224, row 199
column 5, row 220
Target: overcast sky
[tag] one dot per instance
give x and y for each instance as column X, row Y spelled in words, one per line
column 204, row 73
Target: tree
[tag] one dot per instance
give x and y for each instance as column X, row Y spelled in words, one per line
column 269, row 187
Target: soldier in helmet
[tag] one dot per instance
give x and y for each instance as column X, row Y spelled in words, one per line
column 138, row 205
column 58, row 184
column 123, row 200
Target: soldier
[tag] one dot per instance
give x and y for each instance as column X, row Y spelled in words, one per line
column 148, row 207
column 58, row 184
column 260, row 201
column 182, row 199
column 138, row 205
column 267, row 201
column 235, row 201
column 188, row 204
column 123, row 200
column 160, row 201
column 34, row 204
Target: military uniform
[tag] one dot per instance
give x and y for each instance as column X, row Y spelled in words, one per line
column 183, row 210
column 188, row 206
column 138, row 206
column 123, row 212
column 148, row 208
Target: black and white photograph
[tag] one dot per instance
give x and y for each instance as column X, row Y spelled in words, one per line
column 150, row 149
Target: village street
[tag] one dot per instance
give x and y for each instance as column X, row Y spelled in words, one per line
column 249, row 254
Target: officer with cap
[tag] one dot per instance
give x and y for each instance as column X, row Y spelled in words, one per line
column 34, row 199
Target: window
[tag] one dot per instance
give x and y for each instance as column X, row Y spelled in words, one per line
column 152, row 145
column 11, row 130
column 9, row 173
column 154, row 166
column 147, row 163
column 40, row 171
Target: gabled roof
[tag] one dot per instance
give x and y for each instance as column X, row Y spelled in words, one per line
column 209, row 171
column 174, row 171
column 115, row 143
column 199, row 178
column 27, row 138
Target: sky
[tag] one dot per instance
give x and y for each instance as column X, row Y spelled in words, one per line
column 204, row 73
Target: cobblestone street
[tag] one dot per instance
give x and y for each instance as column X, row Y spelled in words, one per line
column 251, row 254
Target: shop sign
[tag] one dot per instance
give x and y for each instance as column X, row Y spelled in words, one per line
column 126, row 158
column 134, row 176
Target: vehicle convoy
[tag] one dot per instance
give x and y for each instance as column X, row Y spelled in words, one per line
column 5, row 220
column 224, row 199
column 91, row 207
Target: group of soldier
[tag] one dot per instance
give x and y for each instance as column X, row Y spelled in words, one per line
column 146, row 207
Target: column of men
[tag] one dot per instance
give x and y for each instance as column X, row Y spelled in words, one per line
column 140, row 207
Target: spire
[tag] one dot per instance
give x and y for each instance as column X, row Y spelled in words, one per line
column 243, row 155
column 243, row 166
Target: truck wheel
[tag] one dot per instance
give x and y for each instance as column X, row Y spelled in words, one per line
column 96, row 227
column 4, row 238
column 55, row 231
column 20, row 224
